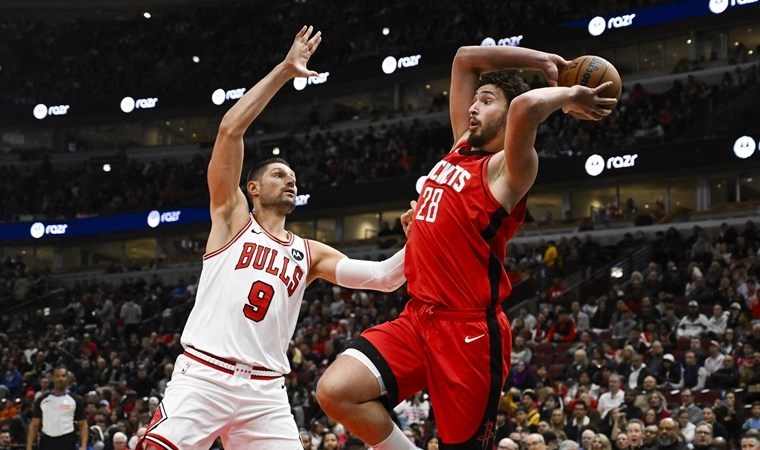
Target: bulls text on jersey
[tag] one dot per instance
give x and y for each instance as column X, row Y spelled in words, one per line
column 260, row 257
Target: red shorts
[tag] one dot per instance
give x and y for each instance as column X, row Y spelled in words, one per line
column 461, row 357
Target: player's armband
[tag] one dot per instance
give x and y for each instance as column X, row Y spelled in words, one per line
column 383, row 276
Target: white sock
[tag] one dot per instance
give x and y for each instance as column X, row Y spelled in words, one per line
column 395, row 441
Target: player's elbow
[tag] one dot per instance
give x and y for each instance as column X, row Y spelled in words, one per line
column 526, row 108
column 468, row 57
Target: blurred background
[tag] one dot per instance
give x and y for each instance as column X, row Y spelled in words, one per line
column 109, row 111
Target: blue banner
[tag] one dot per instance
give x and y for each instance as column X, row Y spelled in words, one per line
column 659, row 14
column 92, row 226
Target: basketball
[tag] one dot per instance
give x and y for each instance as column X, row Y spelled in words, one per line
column 591, row 71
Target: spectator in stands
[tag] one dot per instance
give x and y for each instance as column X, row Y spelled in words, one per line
column 670, row 374
column 528, row 319
column 656, row 401
column 579, row 365
column 5, row 440
column 520, row 351
column 629, row 404
column 414, row 410
column 637, row 341
column 600, row 442
column 562, row 330
column 580, row 318
column 521, row 377
column 622, row 442
column 750, row 441
column 703, row 437
column 551, row 403
column 669, row 437
column 695, row 345
column 602, row 316
column 729, row 343
column 507, row 444
column 635, row 374
column 623, row 325
column 711, row 419
column 535, row 441
column 694, row 324
column 635, row 431
column 717, row 323
column 687, row 426
column 694, row 375
column 647, row 388
column 715, row 359
column 687, row 404
column 729, row 417
column 650, row 437
column 587, row 439
column 753, row 422
column 613, row 398
column 654, row 356
column 580, row 420
column 558, row 421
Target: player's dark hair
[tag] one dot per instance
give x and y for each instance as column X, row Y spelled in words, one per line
column 258, row 169
column 510, row 83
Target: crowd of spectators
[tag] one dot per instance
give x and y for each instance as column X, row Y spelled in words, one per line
column 344, row 157
column 680, row 339
column 55, row 53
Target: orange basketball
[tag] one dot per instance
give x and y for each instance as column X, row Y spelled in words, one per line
column 591, row 71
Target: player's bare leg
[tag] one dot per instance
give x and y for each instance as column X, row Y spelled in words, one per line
column 348, row 392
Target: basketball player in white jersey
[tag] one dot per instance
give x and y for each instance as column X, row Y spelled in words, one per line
column 229, row 382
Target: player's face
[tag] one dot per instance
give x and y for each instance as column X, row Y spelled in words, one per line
column 488, row 115
column 277, row 188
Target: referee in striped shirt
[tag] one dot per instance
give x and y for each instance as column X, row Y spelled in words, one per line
column 56, row 417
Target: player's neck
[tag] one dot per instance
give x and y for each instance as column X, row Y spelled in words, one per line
column 272, row 222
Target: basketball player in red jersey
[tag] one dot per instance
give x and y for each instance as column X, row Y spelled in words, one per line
column 229, row 381
column 453, row 337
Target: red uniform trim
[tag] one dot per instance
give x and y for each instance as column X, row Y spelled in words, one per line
column 275, row 238
column 227, row 371
column 157, row 439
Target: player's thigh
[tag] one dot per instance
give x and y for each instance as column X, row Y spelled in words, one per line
column 264, row 420
column 398, row 352
column 195, row 408
column 467, row 370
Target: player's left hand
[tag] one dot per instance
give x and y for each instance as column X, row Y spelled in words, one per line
column 408, row 217
column 303, row 47
column 552, row 68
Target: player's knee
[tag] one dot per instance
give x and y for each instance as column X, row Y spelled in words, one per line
column 325, row 391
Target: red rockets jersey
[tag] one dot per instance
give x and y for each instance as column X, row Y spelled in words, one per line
column 457, row 246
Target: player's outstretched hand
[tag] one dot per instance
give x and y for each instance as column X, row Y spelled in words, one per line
column 303, row 47
column 588, row 105
column 407, row 217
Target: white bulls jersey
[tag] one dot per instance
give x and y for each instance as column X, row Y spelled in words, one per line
column 248, row 300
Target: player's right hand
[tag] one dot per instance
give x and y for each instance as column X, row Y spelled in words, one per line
column 303, row 47
column 587, row 104
column 553, row 67
column 408, row 217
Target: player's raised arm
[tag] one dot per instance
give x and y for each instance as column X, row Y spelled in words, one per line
column 229, row 209
column 526, row 112
column 471, row 61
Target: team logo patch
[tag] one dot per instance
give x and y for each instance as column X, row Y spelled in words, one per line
column 297, row 255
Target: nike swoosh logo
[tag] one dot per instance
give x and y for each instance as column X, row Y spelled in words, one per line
column 468, row 339
column 255, row 232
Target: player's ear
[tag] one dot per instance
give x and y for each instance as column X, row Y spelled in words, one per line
column 252, row 187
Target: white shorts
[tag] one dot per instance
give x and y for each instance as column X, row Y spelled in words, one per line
column 203, row 402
